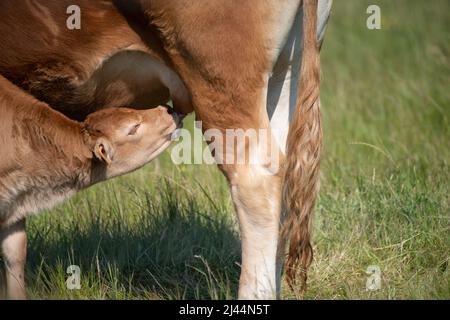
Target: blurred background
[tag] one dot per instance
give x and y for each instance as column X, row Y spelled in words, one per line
column 169, row 232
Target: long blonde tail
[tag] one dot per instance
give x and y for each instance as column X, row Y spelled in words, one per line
column 304, row 143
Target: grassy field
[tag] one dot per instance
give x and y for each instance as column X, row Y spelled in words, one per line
column 169, row 232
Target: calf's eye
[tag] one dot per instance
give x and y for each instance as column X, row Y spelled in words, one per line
column 134, row 130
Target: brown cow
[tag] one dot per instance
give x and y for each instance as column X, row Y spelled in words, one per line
column 236, row 63
column 46, row 157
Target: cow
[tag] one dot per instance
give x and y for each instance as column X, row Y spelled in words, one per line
column 238, row 64
column 46, row 157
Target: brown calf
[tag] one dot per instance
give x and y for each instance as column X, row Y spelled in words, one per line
column 46, row 157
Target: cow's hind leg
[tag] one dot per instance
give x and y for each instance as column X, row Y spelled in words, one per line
column 13, row 244
column 256, row 194
column 252, row 166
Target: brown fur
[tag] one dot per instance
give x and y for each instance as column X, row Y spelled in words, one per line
column 208, row 61
column 80, row 71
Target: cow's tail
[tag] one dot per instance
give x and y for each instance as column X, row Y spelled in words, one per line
column 304, row 143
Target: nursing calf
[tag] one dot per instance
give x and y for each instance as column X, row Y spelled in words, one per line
column 46, row 157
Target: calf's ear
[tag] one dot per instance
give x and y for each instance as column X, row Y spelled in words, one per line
column 104, row 150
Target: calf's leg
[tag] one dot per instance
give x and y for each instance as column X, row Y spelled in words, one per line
column 13, row 244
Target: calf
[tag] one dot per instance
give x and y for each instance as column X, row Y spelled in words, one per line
column 46, row 157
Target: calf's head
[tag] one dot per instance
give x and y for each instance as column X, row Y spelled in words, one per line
column 126, row 139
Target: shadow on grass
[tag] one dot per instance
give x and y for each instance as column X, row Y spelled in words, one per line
column 169, row 246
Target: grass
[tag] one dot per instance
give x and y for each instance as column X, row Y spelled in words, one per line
column 169, row 232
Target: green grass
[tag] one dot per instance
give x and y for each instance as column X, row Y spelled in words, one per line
column 169, row 232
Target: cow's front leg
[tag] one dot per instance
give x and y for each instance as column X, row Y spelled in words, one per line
column 13, row 243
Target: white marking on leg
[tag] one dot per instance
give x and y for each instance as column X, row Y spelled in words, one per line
column 259, row 248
